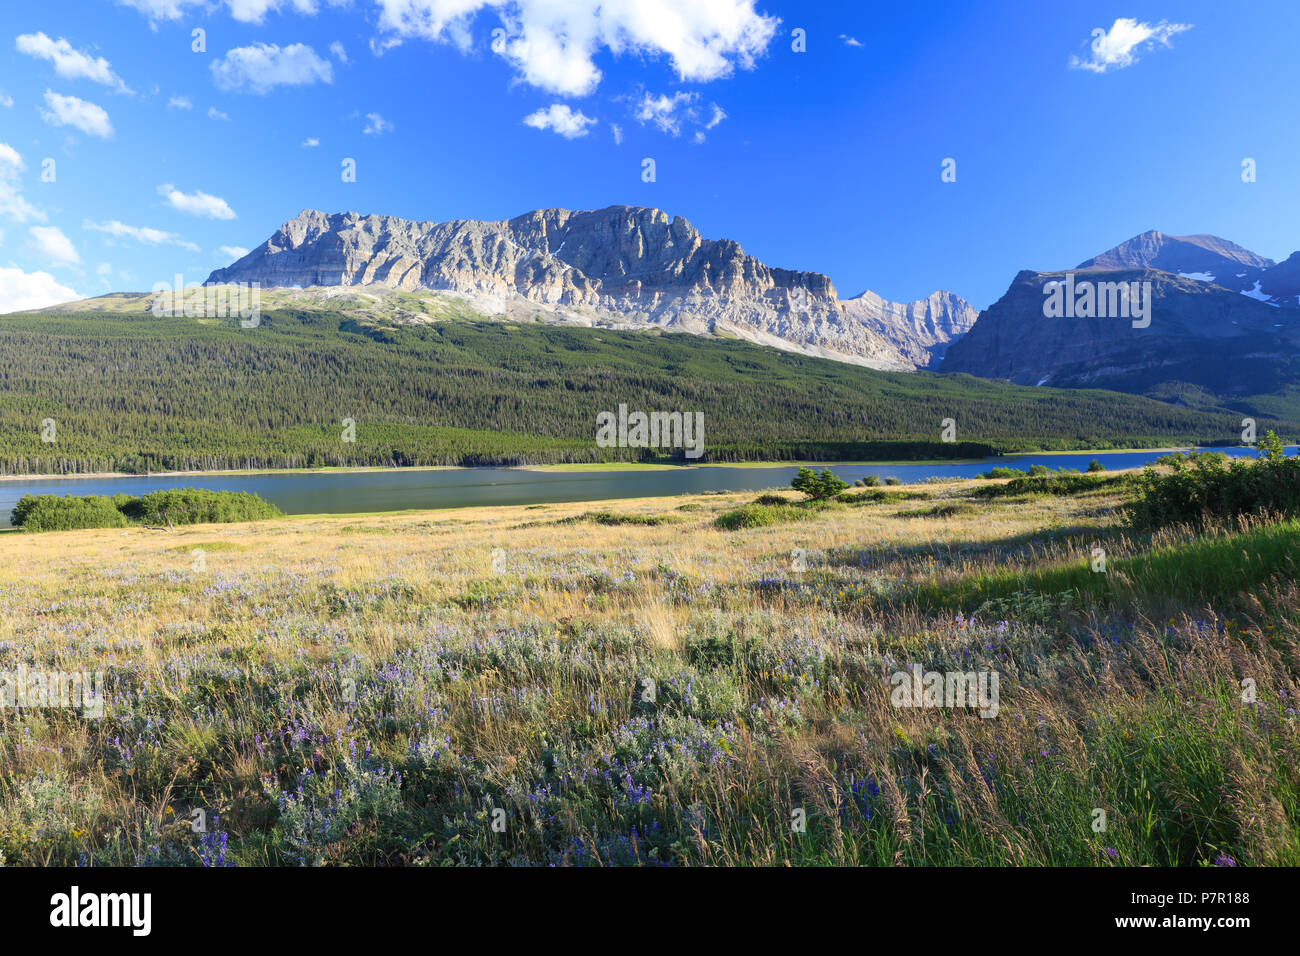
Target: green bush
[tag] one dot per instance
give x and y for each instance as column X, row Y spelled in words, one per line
column 54, row 513
column 761, row 516
column 1207, row 486
column 1002, row 472
column 198, row 506
column 1034, row 471
column 181, row 506
column 613, row 519
column 1060, row 484
column 818, row 487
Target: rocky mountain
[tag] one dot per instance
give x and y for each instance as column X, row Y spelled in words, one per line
column 1180, row 254
column 1281, row 284
column 1224, row 324
column 921, row 330
column 1200, row 336
column 1204, row 258
column 622, row 266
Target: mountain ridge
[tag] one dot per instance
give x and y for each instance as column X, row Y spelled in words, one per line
column 632, row 266
column 1157, row 250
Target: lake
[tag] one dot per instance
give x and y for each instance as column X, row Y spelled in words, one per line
column 402, row 489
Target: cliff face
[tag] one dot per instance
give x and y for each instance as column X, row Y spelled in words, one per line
column 631, row 265
column 1200, row 334
column 1281, row 284
column 920, row 330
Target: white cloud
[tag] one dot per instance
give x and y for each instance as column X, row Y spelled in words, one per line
column 216, row 114
column 6, row 100
column 69, row 63
column 253, row 11
column 618, row 133
column 263, row 66
column 337, row 51
column 665, row 112
column 850, row 41
column 31, row 290
column 71, row 111
column 161, row 9
column 234, row 252
column 376, row 125
column 562, row 120
column 50, row 242
column 196, row 203
column 672, row 114
column 144, row 234
column 179, row 103
column 1119, row 46
column 12, row 204
column 311, row 142
column 553, row 45
column 105, row 273
column 246, row 11
column 380, row 47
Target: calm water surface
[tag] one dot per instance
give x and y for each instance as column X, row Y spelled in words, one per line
column 398, row 490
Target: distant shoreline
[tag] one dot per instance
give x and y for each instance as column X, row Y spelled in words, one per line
column 578, row 467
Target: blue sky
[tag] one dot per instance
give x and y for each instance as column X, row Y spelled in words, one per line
column 168, row 160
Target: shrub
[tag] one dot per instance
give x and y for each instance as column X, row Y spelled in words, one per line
column 818, row 487
column 1206, row 486
column 1002, row 472
column 1095, row 465
column 948, row 510
column 870, row 496
column 613, row 519
column 183, row 506
column 891, row 480
column 760, row 516
column 1034, row 471
column 1060, row 484
column 198, row 506
column 55, row 513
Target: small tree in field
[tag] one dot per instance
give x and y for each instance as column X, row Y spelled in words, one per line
column 818, row 487
column 1271, row 447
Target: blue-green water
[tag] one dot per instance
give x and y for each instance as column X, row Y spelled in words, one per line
column 402, row 489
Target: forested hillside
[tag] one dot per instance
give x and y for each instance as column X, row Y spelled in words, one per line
column 136, row 393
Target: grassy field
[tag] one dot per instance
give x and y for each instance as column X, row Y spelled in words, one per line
column 633, row 683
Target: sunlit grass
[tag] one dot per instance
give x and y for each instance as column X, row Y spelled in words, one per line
column 628, row 682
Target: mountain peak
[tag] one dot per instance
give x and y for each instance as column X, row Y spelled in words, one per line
column 618, row 249
column 627, row 266
column 1201, row 254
